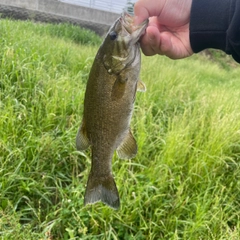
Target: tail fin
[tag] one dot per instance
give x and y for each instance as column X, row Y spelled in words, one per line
column 102, row 189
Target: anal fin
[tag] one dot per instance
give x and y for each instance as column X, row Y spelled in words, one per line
column 128, row 147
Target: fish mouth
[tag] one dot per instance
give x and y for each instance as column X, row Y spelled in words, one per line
column 136, row 31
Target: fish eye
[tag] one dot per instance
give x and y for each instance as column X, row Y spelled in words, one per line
column 113, row 35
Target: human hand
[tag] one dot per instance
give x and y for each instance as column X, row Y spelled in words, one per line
column 168, row 29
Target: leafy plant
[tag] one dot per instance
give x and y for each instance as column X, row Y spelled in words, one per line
column 184, row 182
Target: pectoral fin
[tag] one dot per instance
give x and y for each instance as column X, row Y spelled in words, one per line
column 82, row 142
column 128, row 147
column 118, row 88
column 141, row 87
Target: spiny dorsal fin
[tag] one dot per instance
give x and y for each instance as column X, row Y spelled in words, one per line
column 82, row 141
column 128, row 147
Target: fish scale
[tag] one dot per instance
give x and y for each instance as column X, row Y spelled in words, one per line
column 108, row 106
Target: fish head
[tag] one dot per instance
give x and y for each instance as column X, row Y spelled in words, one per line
column 121, row 45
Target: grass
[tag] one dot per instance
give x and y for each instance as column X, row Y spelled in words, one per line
column 184, row 182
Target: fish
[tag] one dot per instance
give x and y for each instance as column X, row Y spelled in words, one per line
column 108, row 106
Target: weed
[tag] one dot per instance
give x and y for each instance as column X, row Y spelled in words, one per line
column 184, row 182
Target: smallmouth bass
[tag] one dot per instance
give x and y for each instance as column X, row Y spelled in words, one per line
column 108, row 105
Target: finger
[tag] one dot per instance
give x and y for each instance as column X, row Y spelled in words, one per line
column 141, row 13
column 167, row 47
column 150, row 41
column 144, row 9
column 173, row 46
column 155, row 42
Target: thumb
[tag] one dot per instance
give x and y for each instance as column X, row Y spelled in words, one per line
column 144, row 9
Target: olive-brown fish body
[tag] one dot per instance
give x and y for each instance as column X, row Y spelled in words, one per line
column 108, row 105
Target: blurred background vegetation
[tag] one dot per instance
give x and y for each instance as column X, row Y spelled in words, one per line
column 184, row 182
